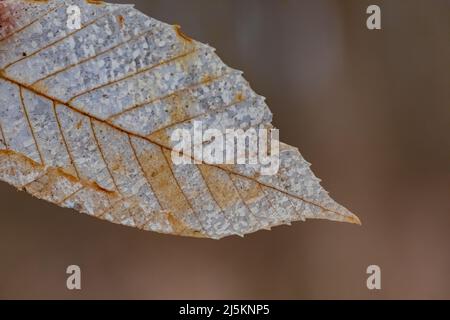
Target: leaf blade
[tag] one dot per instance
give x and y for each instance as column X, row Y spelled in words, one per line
column 114, row 158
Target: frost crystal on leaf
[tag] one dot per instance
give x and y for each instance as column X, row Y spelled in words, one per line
column 86, row 117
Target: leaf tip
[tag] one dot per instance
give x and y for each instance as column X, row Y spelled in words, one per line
column 353, row 219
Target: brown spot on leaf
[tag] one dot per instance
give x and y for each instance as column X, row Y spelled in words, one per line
column 181, row 229
column 220, row 186
column 120, row 21
column 182, row 35
column 79, row 124
column 53, row 172
column 53, row 186
column 97, row 2
column 240, row 97
column 177, row 225
column 21, row 157
column 178, row 108
column 161, row 137
column 38, row 87
column 160, row 176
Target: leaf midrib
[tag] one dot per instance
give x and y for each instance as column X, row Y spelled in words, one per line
column 90, row 116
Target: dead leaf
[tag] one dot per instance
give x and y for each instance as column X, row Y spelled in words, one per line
column 86, row 117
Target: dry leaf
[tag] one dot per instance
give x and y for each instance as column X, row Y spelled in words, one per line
column 86, row 116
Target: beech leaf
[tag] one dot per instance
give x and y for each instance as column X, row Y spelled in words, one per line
column 86, row 116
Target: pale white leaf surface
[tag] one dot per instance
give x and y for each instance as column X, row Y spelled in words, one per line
column 86, row 118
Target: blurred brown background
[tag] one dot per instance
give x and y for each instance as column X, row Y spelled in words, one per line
column 369, row 109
